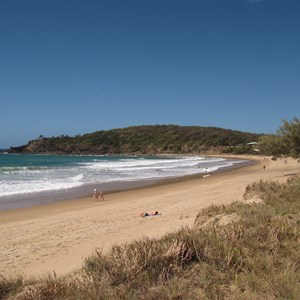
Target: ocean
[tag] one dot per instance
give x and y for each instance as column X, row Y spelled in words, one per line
column 27, row 180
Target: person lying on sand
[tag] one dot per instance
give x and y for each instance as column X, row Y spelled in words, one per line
column 147, row 214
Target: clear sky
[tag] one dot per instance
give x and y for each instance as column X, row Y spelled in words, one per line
column 78, row 66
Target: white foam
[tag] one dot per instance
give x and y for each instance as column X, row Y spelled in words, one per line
column 22, row 180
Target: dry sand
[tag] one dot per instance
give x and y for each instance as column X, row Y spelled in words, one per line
column 57, row 237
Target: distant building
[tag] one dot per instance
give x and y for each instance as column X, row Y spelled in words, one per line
column 253, row 144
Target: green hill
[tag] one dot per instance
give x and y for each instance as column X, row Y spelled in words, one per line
column 149, row 140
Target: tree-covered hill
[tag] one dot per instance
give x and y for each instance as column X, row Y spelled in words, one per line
column 147, row 139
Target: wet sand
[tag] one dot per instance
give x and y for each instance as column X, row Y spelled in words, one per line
column 57, row 237
column 10, row 202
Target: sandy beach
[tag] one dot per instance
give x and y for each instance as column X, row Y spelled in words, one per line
column 57, row 237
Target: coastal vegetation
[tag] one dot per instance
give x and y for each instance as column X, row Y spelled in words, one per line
column 246, row 250
column 285, row 143
column 147, row 140
column 171, row 139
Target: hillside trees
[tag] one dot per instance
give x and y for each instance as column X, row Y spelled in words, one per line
column 146, row 139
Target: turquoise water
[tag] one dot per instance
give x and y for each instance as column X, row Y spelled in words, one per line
column 48, row 177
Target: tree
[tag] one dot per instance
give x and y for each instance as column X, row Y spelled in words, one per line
column 290, row 132
column 285, row 143
column 272, row 145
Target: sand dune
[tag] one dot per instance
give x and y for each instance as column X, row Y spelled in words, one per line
column 57, row 237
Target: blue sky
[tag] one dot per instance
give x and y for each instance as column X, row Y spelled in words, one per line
column 78, row 66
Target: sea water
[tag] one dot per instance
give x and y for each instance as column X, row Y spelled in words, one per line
column 33, row 179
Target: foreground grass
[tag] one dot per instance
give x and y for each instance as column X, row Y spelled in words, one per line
column 255, row 255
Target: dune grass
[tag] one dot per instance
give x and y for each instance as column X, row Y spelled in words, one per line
column 254, row 256
column 8, row 286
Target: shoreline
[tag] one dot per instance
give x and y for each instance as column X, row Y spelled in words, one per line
column 51, row 196
column 145, row 185
column 57, row 237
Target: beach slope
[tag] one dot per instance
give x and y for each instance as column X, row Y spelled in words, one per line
column 58, row 237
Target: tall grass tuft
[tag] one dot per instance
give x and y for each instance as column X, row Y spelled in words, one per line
column 144, row 262
column 10, row 286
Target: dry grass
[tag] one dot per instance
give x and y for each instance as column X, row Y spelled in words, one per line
column 254, row 256
column 11, row 285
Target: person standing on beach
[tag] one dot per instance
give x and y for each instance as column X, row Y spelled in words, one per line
column 101, row 194
column 96, row 195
